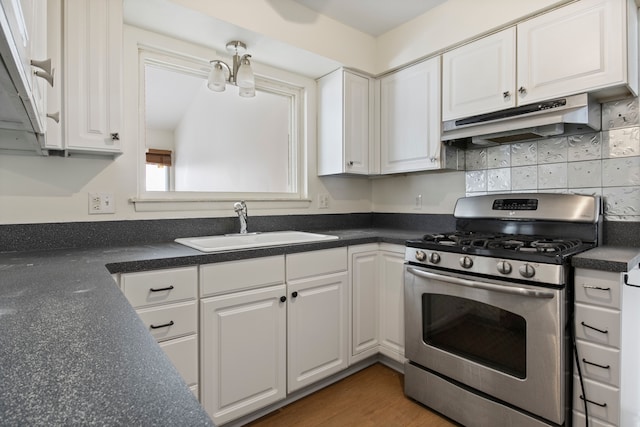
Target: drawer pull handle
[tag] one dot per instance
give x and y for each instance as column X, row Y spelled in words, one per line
column 166, row 325
column 596, row 364
column 602, row 405
column 168, row 288
column 600, row 288
column 595, row 329
column 626, row 281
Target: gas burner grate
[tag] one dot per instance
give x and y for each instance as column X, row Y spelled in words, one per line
column 509, row 242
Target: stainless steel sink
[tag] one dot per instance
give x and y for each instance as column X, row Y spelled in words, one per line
column 251, row 240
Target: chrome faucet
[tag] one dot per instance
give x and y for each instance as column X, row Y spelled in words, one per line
column 240, row 208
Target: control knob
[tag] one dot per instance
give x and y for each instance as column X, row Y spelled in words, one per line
column 504, row 267
column 421, row 256
column 434, row 258
column 527, row 271
column 466, row 262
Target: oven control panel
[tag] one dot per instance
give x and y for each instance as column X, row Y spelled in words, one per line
column 499, row 268
column 515, row 204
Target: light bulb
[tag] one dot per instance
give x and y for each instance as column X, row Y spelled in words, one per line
column 244, row 77
column 217, row 81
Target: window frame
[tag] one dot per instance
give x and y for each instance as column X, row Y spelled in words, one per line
column 298, row 88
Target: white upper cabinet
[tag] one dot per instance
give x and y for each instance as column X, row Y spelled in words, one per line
column 488, row 60
column 581, row 47
column 586, row 46
column 92, row 40
column 344, row 122
column 410, row 119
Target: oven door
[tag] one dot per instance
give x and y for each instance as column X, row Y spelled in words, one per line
column 499, row 338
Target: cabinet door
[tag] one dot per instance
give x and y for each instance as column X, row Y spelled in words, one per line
column 410, row 118
column 343, row 123
column 356, row 123
column 391, row 318
column 92, row 70
column 480, row 77
column 365, row 301
column 577, row 48
column 243, row 352
column 317, row 329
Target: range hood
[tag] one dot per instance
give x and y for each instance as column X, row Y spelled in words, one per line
column 562, row 116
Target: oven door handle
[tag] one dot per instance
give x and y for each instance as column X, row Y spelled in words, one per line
column 514, row 290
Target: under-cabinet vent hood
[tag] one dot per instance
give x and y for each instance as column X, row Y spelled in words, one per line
column 561, row 116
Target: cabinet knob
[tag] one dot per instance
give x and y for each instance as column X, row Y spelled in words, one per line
column 433, row 159
column 522, row 90
column 294, row 294
column 506, row 94
column 350, row 163
column 115, row 136
column 283, row 299
column 54, row 116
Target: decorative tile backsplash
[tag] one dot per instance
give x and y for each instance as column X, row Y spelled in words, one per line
column 605, row 163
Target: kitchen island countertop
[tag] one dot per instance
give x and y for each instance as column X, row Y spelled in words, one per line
column 74, row 352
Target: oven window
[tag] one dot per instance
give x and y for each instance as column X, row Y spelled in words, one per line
column 476, row 331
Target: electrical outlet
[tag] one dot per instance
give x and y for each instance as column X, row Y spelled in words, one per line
column 418, row 202
column 101, row 203
column 323, row 201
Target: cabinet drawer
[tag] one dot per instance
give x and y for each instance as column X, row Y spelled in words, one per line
column 148, row 288
column 578, row 420
column 170, row 321
column 598, row 287
column 183, row 353
column 599, row 363
column 598, row 325
column 234, row 276
column 607, row 400
column 316, row 263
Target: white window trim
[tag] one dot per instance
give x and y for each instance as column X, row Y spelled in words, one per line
column 302, row 89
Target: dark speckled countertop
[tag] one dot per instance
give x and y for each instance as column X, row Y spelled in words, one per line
column 608, row 258
column 74, row 352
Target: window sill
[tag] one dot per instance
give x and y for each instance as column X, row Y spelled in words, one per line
column 172, row 205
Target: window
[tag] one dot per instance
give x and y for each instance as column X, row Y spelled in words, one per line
column 223, row 146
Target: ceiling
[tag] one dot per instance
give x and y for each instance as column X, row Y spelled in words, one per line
column 374, row 17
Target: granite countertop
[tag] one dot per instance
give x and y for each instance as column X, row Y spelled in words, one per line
column 74, row 352
column 608, row 258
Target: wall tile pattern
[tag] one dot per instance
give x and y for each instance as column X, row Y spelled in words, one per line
column 605, row 163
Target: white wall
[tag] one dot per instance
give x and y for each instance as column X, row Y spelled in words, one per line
column 248, row 154
column 160, row 139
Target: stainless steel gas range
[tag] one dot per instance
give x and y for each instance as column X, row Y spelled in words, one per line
column 488, row 309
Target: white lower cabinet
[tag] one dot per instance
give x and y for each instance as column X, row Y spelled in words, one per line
column 243, row 352
column 598, row 342
column 265, row 333
column 391, row 319
column 317, row 285
column 365, row 298
column 377, row 301
column 243, row 336
column 166, row 301
column 274, row 325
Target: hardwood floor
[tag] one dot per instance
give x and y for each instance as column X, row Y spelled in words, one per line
column 371, row 397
